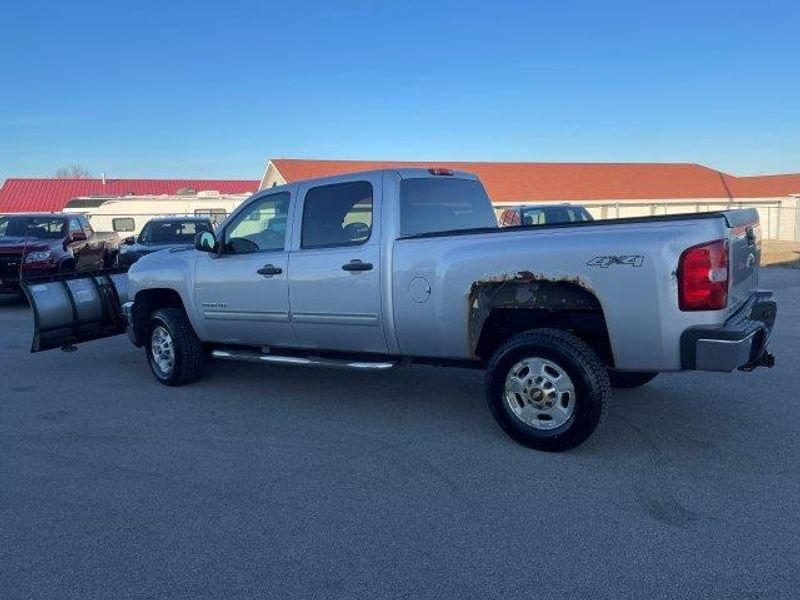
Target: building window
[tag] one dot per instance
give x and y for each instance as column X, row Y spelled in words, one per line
column 123, row 224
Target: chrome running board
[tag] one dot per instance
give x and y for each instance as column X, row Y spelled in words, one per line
column 310, row 361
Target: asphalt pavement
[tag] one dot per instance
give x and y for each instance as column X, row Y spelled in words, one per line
column 280, row 482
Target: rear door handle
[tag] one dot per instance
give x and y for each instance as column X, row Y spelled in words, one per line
column 357, row 265
column 269, row 270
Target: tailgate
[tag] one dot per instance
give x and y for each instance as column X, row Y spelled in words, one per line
column 744, row 254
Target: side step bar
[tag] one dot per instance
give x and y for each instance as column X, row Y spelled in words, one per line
column 310, row 361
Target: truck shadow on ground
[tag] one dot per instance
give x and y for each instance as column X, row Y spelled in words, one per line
column 658, row 417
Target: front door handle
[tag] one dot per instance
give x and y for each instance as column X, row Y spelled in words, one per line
column 269, row 270
column 357, row 265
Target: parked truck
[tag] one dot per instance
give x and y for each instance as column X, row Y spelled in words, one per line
column 543, row 214
column 376, row 269
column 162, row 233
column 41, row 244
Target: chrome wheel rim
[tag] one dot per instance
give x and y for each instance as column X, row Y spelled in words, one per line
column 162, row 349
column 540, row 393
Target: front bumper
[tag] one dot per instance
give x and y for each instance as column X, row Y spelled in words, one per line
column 9, row 272
column 9, row 284
column 126, row 259
column 127, row 312
column 12, row 282
column 741, row 343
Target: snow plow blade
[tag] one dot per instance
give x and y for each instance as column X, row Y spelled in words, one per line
column 75, row 308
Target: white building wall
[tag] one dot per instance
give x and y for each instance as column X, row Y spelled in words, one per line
column 271, row 177
column 778, row 216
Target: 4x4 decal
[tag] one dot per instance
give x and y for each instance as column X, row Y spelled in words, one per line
column 631, row 260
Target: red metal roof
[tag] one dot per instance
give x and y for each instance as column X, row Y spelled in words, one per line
column 764, row 186
column 21, row 195
column 507, row 182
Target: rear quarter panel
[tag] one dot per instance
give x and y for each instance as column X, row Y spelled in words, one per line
column 639, row 298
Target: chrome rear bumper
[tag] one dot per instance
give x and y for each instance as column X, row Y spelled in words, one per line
column 741, row 343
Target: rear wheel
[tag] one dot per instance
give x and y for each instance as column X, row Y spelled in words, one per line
column 629, row 379
column 174, row 352
column 547, row 389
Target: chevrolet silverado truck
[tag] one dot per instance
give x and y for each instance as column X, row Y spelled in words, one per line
column 375, row 269
column 41, row 244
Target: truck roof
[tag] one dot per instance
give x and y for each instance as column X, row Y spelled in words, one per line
column 403, row 172
column 547, row 204
column 179, row 218
column 55, row 215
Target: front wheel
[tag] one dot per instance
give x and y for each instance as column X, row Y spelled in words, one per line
column 547, row 389
column 174, row 352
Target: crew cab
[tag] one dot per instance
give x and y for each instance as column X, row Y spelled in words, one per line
column 162, row 233
column 371, row 270
column 40, row 244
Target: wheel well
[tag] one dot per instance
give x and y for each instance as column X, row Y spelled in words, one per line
column 148, row 301
column 499, row 310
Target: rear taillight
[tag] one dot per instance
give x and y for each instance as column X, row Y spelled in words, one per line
column 703, row 277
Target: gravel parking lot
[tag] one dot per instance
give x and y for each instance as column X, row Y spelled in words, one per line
column 278, row 482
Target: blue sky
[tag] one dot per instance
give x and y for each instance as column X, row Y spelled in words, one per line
column 163, row 89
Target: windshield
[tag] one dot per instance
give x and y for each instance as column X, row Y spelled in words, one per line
column 172, row 232
column 434, row 204
column 46, row 228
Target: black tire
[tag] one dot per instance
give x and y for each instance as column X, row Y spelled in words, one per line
column 629, row 379
column 587, row 372
column 187, row 348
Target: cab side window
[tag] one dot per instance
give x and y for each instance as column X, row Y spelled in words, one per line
column 337, row 215
column 260, row 227
column 74, row 226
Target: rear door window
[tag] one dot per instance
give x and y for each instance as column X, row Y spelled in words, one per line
column 337, row 215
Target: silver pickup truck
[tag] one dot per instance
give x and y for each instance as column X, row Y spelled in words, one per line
column 374, row 269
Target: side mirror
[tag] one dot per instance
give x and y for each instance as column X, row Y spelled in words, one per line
column 130, row 240
column 78, row 236
column 205, row 241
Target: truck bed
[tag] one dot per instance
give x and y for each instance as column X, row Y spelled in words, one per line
column 629, row 265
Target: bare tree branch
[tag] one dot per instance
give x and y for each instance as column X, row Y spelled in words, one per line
column 73, row 171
